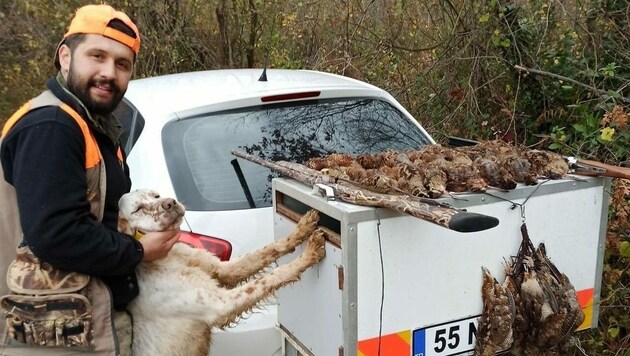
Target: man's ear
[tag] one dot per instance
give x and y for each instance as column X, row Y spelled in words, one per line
column 65, row 57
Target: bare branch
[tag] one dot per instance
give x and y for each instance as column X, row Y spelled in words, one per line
column 567, row 79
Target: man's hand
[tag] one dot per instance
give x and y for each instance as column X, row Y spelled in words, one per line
column 157, row 244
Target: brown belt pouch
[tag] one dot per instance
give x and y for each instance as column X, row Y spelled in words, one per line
column 48, row 307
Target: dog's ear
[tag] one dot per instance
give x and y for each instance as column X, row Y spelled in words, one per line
column 124, row 226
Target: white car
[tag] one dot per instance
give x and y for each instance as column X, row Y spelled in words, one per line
column 181, row 128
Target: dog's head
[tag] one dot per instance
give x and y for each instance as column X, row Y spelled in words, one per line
column 143, row 211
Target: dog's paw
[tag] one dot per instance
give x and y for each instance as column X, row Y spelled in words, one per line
column 307, row 224
column 316, row 246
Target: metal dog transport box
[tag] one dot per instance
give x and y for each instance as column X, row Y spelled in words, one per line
column 395, row 285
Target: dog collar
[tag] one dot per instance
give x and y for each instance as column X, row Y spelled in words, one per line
column 138, row 235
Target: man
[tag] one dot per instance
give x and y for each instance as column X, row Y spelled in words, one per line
column 63, row 174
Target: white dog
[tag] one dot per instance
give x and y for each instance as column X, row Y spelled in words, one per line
column 185, row 294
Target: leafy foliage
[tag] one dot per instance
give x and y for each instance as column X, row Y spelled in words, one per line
column 453, row 64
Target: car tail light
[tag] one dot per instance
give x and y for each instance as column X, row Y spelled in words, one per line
column 291, row 96
column 221, row 248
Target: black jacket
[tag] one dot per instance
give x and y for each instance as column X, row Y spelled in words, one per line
column 43, row 157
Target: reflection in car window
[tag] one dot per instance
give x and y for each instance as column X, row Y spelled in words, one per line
column 197, row 149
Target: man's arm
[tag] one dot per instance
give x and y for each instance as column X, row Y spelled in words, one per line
column 47, row 169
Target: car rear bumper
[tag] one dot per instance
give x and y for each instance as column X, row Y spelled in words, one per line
column 257, row 334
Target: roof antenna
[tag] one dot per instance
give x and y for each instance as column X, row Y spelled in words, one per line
column 263, row 76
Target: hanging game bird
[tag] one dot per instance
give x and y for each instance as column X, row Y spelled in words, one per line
column 542, row 301
column 494, row 331
column 550, row 310
column 556, row 328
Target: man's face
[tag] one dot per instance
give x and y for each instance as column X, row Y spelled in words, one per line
column 98, row 72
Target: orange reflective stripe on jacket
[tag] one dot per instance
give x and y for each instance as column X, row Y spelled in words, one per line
column 92, row 152
column 15, row 117
column 119, row 154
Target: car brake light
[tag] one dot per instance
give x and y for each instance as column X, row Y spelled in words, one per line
column 292, row 96
column 219, row 247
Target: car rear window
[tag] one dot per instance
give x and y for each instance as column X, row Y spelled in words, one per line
column 206, row 176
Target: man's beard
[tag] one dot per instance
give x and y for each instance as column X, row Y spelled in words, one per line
column 82, row 91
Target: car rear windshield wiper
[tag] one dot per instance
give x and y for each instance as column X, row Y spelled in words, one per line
column 241, row 179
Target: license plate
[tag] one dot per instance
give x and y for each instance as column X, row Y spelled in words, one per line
column 450, row 338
